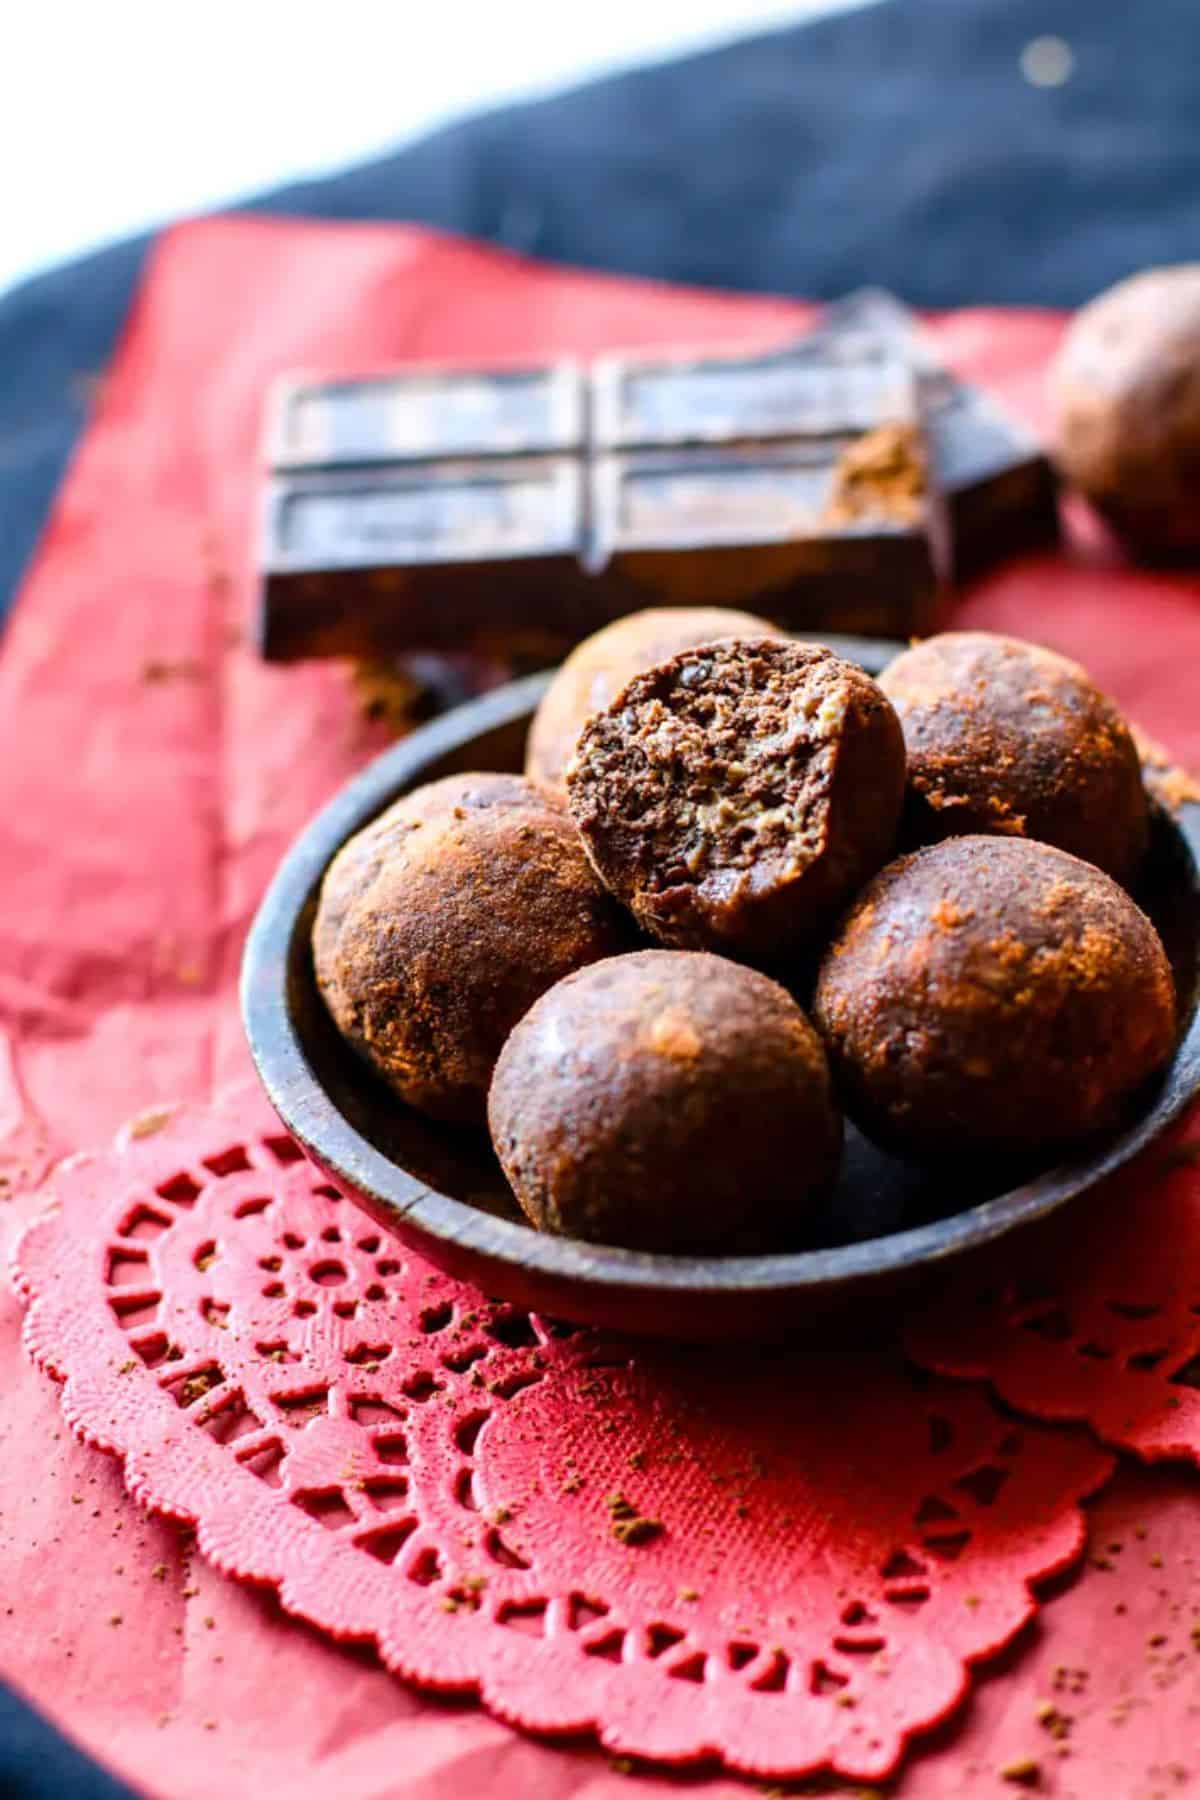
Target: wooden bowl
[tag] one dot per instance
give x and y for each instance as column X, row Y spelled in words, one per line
column 889, row 1225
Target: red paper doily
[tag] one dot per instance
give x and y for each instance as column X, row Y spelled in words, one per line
column 786, row 1561
column 1100, row 1321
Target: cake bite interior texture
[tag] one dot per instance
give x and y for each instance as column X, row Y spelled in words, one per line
column 736, row 795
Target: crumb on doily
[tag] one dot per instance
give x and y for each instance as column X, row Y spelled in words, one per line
column 1024, row 1771
column 629, row 1526
column 147, row 1123
column 1056, row 1722
column 157, row 670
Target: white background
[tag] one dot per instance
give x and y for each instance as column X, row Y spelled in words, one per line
column 118, row 114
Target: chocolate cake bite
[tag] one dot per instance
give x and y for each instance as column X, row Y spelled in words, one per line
column 598, row 668
column 1003, row 736
column 1125, row 390
column 735, row 796
column 444, row 920
column 666, row 1101
column 996, row 995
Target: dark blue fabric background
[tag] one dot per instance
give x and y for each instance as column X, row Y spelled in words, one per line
column 36, row 1763
column 898, row 145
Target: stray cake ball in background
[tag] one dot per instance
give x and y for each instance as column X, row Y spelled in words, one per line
column 666, row 1101
column 993, row 994
column 737, row 795
column 1003, row 736
column 1125, row 392
column 598, row 668
column 444, row 920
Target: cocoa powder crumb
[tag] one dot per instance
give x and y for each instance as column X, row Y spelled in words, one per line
column 883, row 474
column 185, row 669
column 147, row 1123
column 629, row 1526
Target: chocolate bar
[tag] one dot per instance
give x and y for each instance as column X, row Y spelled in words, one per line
column 451, row 508
column 1000, row 488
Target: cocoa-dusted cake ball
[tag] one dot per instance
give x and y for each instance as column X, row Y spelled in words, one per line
column 993, row 994
column 735, row 796
column 598, row 668
column 442, row 922
column 1004, row 736
column 667, row 1101
column 1125, row 390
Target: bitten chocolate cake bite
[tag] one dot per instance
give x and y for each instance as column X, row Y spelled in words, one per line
column 1004, row 736
column 993, row 994
column 735, row 796
column 666, row 1101
column 443, row 921
column 598, row 668
column 1125, row 390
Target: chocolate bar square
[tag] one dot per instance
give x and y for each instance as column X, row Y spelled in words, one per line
column 413, row 416
column 813, row 389
column 374, row 558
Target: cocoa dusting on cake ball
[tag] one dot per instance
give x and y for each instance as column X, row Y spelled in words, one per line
column 598, row 668
column 735, row 796
column 993, row 994
column 442, row 922
column 1125, row 390
column 667, row 1101
column 1004, row 736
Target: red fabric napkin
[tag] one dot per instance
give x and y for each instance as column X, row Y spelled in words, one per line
column 151, row 774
